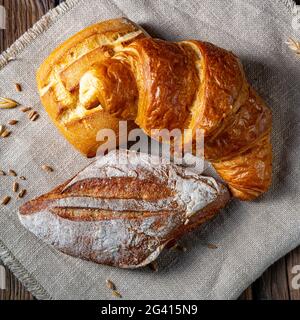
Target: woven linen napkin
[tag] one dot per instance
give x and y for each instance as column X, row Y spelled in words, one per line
column 249, row 236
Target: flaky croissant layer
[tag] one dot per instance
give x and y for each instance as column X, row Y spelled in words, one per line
column 114, row 71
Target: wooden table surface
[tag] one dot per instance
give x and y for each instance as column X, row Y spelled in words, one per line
column 275, row 283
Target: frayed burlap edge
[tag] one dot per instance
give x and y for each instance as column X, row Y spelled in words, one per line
column 38, row 28
column 29, row 282
column 16, row 48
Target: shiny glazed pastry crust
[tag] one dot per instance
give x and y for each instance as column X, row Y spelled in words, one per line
column 114, row 71
column 66, row 87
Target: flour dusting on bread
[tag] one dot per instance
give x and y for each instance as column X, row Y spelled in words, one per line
column 123, row 209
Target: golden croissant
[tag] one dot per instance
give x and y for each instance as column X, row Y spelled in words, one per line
column 114, row 70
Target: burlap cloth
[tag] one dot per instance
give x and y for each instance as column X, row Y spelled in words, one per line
column 249, row 235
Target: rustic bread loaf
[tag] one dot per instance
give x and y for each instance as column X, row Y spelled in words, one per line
column 123, row 209
column 115, row 71
column 66, row 83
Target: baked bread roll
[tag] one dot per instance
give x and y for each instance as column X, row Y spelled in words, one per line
column 166, row 85
column 66, row 87
column 123, row 209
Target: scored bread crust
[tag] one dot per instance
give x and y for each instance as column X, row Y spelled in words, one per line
column 59, row 75
column 123, row 214
column 197, row 85
column 114, row 71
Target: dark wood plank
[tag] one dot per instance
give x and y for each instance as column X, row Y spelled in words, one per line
column 247, row 294
column 293, row 262
column 14, row 289
column 21, row 15
column 275, row 282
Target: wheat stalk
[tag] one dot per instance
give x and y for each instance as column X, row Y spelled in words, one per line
column 294, row 45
